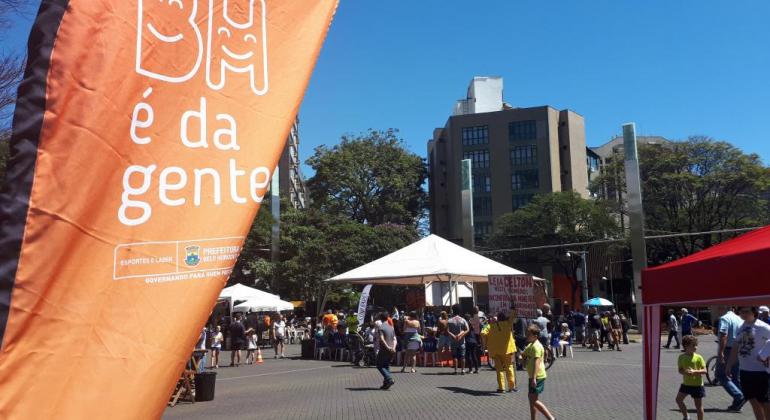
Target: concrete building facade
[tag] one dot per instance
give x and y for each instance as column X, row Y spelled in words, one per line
column 291, row 183
column 516, row 153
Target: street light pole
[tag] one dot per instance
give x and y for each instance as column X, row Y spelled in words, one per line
column 583, row 257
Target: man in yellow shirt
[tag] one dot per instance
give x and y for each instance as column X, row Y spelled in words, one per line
column 501, row 347
column 536, row 372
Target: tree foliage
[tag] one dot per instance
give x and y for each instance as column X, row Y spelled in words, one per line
column 699, row 185
column 371, row 178
column 317, row 245
column 553, row 219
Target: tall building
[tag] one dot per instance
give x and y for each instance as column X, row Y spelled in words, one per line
column 291, row 183
column 516, row 153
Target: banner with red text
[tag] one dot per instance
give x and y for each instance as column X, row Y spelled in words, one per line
column 524, row 292
column 144, row 138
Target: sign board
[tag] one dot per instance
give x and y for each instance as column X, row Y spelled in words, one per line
column 144, row 138
column 522, row 291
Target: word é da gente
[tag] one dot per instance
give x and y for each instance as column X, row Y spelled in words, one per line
column 173, row 186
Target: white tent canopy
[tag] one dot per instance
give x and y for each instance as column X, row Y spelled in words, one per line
column 241, row 292
column 261, row 305
column 431, row 259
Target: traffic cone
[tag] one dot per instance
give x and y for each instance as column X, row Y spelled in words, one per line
column 259, row 356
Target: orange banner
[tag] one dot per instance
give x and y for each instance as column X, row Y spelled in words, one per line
column 144, row 139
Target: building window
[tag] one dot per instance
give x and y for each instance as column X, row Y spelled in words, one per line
column 522, row 130
column 482, row 207
column 482, row 183
column 479, row 158
column 482, row 229
column 473, row 136
column 524, row 180
column 520, row 200
column 524, row 155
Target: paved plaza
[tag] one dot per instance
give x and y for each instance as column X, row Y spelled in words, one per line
column 606, row 385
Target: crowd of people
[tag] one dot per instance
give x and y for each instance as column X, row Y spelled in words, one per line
column 249, row 333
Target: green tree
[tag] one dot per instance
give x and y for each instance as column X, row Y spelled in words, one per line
column 255, row 247
column 699, row 185
column 317, row 245
column 553, row 219
column 371, row 178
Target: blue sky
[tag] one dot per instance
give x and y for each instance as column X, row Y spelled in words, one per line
column 676, row 68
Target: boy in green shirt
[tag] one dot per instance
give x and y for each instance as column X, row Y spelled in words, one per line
column 536, row 371
column 692, row 367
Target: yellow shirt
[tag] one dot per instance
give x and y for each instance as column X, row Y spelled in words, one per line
column 694, row 362
column 535, row 350
column 499, row 338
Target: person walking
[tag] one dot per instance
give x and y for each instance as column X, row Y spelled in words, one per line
column 502, row 349
column 251, row 345
column 533, row 355
column 472, row 348
column 688, row 322
column 579, row 324
column 594, row 329
column 475, row 323
column 413, row 341
column 444, row 342
column 457, row 329
column 764, row 314
column 386, row 337
column 752, row 335
column 673, row 329
column 216, row 347
column 237, row 340
column 542, row 323
column 729, row 323
column 626, row 323
column 617, row 329
column 692, row 367
column 279, row 336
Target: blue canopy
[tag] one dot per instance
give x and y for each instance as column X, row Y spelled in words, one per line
column 598, row 302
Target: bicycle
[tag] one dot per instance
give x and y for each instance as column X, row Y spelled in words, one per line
column 711, row 371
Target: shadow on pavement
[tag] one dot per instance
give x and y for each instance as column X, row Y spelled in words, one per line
column 438, row 373
column 474, row 392
column 363, row 389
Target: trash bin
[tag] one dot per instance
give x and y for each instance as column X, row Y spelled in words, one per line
column 204, row 386
column 308, row 348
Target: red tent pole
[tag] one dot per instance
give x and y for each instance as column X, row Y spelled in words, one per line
column 651, row 342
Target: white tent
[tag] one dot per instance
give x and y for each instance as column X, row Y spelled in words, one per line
column 428, row 260
column 262, row 305
column 241, row 292
column 238, row 294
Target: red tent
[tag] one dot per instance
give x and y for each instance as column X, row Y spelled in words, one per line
column 729, row 272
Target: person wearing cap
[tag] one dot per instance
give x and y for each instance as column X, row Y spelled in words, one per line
column 764, row 314
column 688, row 321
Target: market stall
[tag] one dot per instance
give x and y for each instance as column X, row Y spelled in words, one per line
column 727, row 273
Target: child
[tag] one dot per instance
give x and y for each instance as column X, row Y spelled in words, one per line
column 692, row 367
column 216, row 347
column 251, row 337
column 536, row 371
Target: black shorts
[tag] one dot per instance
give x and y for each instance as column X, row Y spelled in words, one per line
column 754, row 385
column 693, row 391
column 236, row 345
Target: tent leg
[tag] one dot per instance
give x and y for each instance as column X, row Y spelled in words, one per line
column 651, row 343
column 473, row 292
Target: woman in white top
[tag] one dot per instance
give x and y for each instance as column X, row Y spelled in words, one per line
column 279, row 334
column 564, row 339
column 216, row 347
column 413, row 341
column 251, row 340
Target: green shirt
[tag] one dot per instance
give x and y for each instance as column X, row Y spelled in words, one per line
column 352, row 321
column 534, row 350
column 694, row 362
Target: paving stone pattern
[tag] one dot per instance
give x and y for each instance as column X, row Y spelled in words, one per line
column 606, row 385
